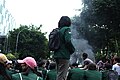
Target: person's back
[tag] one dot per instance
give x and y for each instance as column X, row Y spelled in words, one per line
column 92, row 73
column 51, row 75
column 63, row 52
column 76, row 74
column 22, row 76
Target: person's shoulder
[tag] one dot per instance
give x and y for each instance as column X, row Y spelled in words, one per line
column 16, row 74
column 89, row 60
column 115, row 65
column 49, row 73
column 104, row 72
column 40, row 78
column 64, row 28
column 112, row 71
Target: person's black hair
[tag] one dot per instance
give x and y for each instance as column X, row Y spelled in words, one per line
column 117, row 59
column 41, row 63
column 108, row 66
column 85, row 55
column 52, row 66
column 64, row 21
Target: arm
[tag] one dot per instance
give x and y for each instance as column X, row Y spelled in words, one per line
column 113, row 67
column 68, row 41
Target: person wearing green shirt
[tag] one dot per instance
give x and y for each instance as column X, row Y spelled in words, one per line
column 62, row 55
column 76, row 73
column 52, row 73
column 92, row 73
column 29, row 67
column 4, row 74
column 42, row 68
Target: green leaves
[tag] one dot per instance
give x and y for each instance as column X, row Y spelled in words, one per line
column 99, row 22
column 31, row 41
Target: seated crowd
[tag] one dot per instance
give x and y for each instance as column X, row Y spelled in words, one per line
column 29, row 69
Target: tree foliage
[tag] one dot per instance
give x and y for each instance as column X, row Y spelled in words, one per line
column 99, row 23
column 31, row 42
column 10, row 56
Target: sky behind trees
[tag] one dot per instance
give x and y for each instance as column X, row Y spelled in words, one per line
column 45, row 12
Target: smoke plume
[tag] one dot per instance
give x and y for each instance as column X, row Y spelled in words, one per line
column 81, row 45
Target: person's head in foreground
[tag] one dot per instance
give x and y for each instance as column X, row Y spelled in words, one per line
column 92, row 66
column 3, row 59
column 52, row 66
column 28, row 64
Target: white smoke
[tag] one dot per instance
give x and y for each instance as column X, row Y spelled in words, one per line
column 81, row 46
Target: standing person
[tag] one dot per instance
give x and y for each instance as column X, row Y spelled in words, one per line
column 62, row 55
column 29, row 66
column 4, row 74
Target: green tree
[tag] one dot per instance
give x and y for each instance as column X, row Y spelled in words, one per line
column 10, row 56
column 31, row 42
column 108, row 12
column 99, row 23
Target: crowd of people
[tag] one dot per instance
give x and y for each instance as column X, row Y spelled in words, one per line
column 30, row 69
